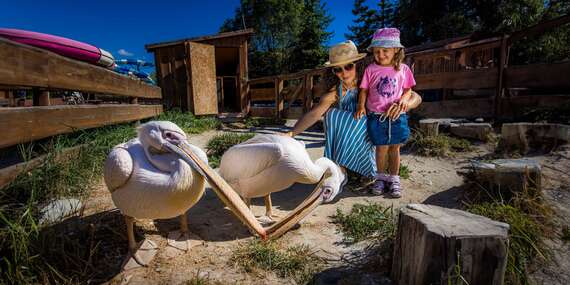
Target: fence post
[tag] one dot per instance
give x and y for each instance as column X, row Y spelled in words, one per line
column 503, row 61
column 40, row 97
column 308, row 93
column 278, row 96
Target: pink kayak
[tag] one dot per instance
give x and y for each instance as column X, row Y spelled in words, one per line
column 63, row 46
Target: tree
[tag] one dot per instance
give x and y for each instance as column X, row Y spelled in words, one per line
column 278, row 26
column 309, row 51
column 363, row 26
column 385, row 15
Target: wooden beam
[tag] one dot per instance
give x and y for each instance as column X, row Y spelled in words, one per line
column 503, row 60
column 464, row 108
column 24, row 124
column 554, row 75
column 472, row 79
column 278, row 98
column 259, row 94
column 308, row 96
column 261, row 80
column 26, row 66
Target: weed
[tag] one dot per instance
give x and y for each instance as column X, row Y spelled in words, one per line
column 565, row 234
column 190, row 123
column 440, row 145
column 222, row 142
column 405, row 171
column 259, row 122
column 366, row 222
column 298, row 262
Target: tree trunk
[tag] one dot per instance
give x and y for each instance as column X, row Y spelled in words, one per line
column 436, row 245
column 429, row 127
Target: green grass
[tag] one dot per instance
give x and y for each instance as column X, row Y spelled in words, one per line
column 565, row 234
column 32, row 254
column 190, row 123
column 440, row 145
column 201, row 280
column 260, row 121
column 371, row 221
column 405, row 171
column 222, row 142
column 296, row 262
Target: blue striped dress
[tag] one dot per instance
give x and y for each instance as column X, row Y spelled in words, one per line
column 347, row 142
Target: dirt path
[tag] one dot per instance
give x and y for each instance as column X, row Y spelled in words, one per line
column 432, row 180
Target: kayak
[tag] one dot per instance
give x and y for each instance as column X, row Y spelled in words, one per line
column 62, row 46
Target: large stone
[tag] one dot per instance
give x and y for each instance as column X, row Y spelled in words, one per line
column 434, row 245
column 524, row 136
column 431, row 127
column 509, row 174
column 58, row 210
column 478, row 131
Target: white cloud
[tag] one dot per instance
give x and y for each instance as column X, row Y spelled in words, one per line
column 123, row 52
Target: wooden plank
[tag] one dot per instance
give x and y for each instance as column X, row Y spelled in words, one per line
column 24, row 124
column 503, row 61
column 259, row 94
column 23, row 65
column 8, row 174
column 261, row 80
column 308, row 96
column 279, row 102
column 265, row 112
column 203, row 78
column 473, row 79
column 466, row 108
column 553, row 75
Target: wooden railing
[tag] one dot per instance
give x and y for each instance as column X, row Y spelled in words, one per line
column 24, row 67
column 474, row 79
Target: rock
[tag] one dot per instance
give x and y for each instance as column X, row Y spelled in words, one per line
column 479, row 131
column 433, row 126
column 511, row 174
column 58, row 210
column 479, row 120
column 432, row 243
column 524, row 136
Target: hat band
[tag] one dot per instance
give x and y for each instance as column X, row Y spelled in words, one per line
column 386, row 43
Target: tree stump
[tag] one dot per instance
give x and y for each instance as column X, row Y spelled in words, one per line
column 429, row 127
column 436, row 245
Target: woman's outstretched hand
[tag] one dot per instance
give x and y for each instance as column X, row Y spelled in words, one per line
column 360, row 111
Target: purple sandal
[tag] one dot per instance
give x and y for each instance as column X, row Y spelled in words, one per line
column 394, row 186
column 380, row 184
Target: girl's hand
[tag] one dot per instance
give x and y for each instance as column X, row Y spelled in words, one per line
column 360, row 111
column 394, row 111
column 404, row 105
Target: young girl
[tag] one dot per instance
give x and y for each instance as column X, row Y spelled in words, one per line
column 385, row 82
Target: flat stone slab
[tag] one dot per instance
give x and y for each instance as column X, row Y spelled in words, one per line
column 479, row 131
column 514, row 174
column 526, row 135
column 59, row 210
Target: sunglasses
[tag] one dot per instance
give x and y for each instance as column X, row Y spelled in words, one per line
column 339, row 69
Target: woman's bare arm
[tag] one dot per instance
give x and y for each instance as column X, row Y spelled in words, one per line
column 315, row 114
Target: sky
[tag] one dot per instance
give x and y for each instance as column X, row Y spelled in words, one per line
column 123, row 27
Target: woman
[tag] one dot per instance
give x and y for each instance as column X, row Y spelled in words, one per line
column 347, row 141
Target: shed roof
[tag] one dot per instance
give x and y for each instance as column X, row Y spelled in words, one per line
column 246, row 32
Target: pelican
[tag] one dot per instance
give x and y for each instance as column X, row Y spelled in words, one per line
column 269, row 163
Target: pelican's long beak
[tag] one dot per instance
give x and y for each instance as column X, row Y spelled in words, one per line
column 224, row 191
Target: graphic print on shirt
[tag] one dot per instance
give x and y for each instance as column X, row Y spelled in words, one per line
column 386, row 86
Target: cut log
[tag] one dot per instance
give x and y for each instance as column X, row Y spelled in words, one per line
column 436, row 245
column 429, row 127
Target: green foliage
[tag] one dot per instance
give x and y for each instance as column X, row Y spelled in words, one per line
column 440, row 145
column 364, row 25
column 371, row 221
column 32, row 254
column 220, row 143
column 405, row 171
column 190, row 123
column 297, row 262
column 286, row 31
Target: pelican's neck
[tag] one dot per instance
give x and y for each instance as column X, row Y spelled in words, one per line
column 317, row 169
column 180, row 172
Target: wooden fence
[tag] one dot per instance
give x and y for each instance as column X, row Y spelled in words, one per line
column 473, row 78
column 41, row 71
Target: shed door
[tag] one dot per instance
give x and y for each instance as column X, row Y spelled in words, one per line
column 202, row 79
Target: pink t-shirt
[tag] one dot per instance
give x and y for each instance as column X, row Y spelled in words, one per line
column 385, row 85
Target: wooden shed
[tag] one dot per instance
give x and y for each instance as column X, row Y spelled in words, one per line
column 204, row 75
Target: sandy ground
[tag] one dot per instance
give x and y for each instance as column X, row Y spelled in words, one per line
column 434, row 181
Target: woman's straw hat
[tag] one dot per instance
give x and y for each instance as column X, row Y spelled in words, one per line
column 343, row 53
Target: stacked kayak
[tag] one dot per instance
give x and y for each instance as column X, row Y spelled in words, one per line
column 133, row 68
column 62, row 46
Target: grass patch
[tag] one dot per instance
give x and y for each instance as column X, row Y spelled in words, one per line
column 190, row 123
column 262, row 121
column 32, row 254
column 405, row 171
column 565, row 234
column 222, row 142
column 371, row 221
column 202, row 280
column 298, row 262
column 440, row 145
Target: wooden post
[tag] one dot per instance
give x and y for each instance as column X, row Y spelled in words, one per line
column 429, row 127
column 436, row 245
column 134, row 100
column 40, row 97
column 503, row 61
column 308, row 93
column 278, row 97
column 11, row 100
